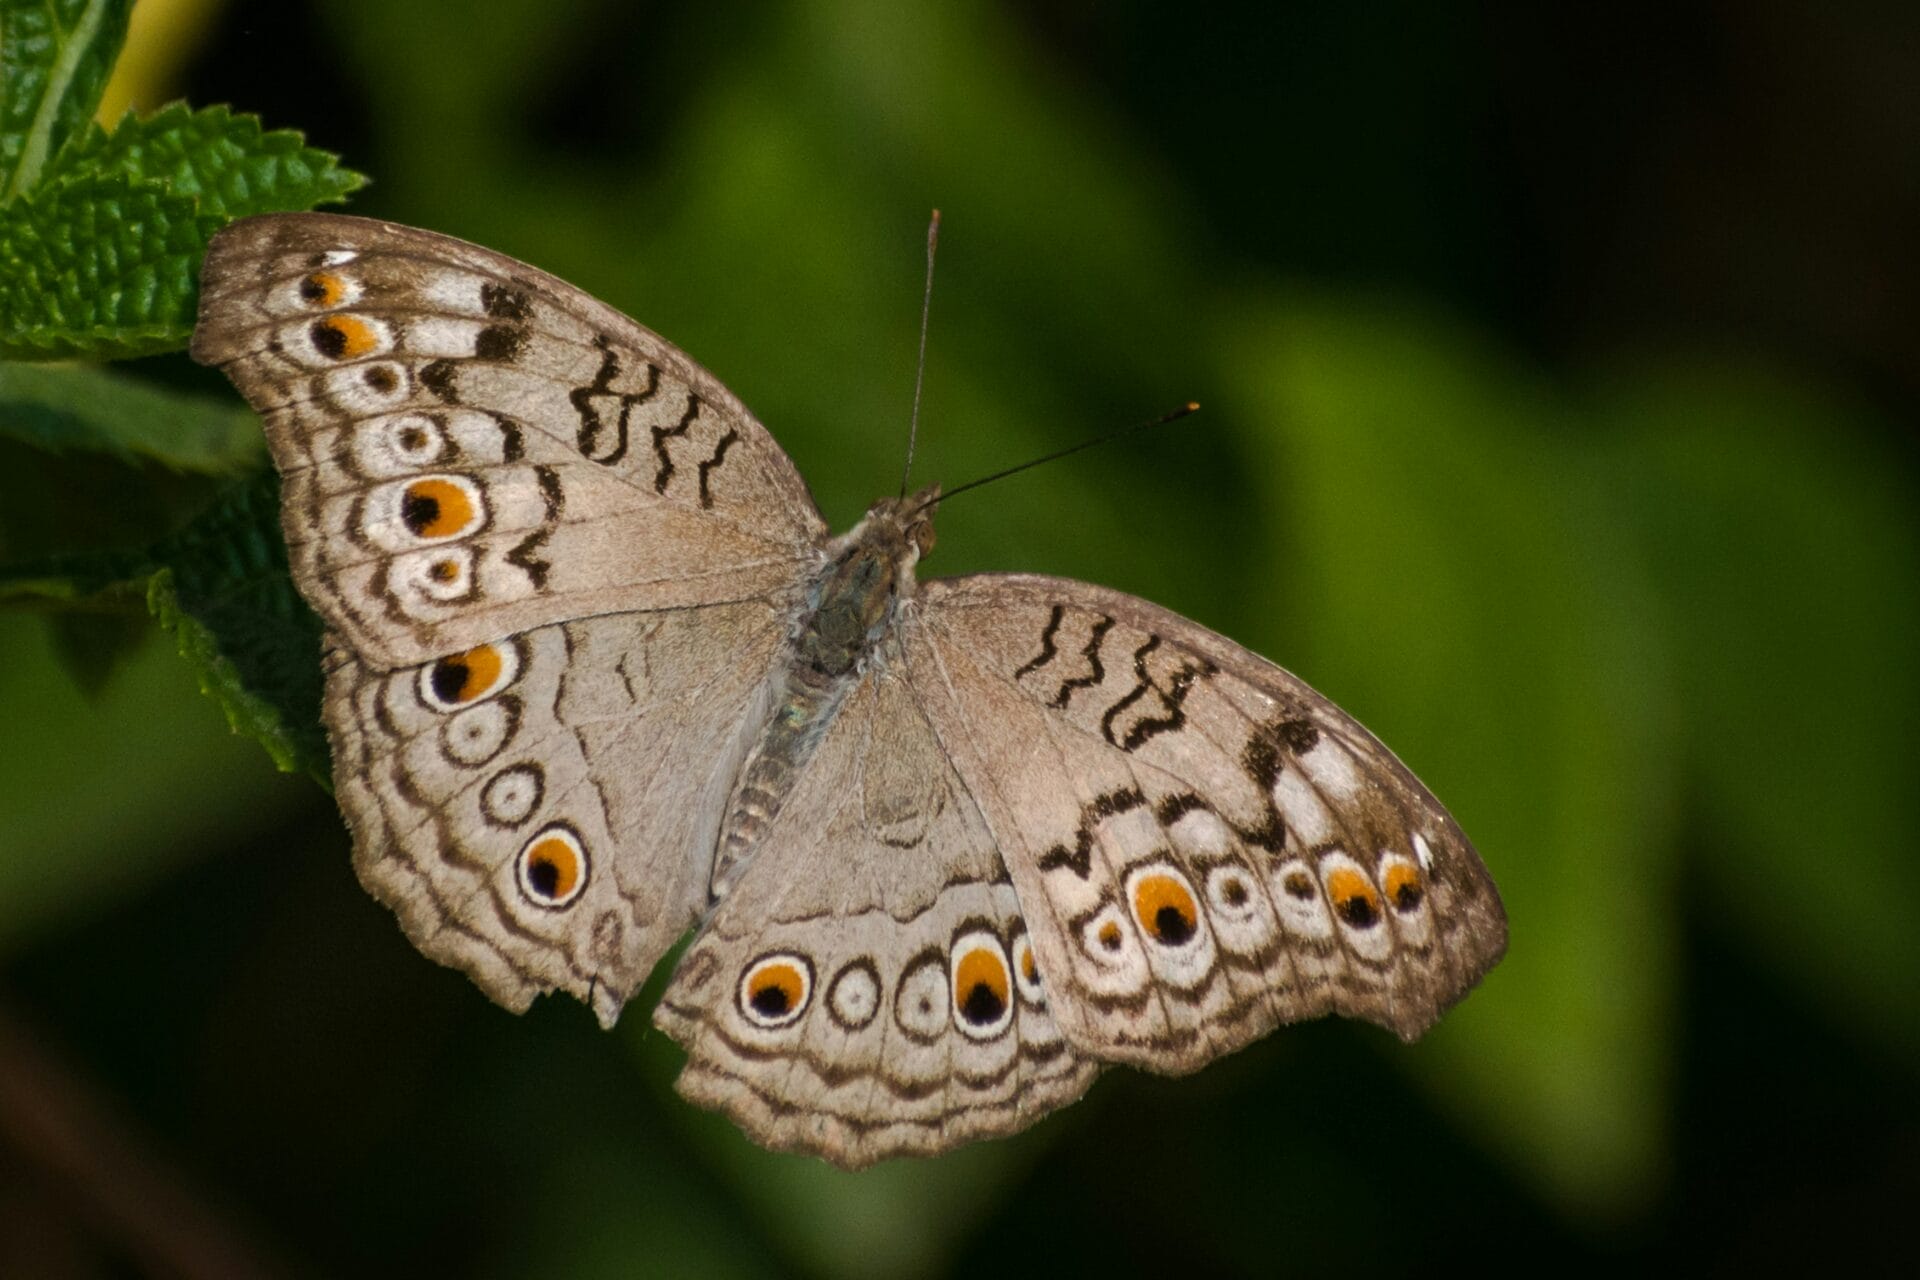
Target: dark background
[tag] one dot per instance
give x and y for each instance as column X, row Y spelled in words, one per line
column 1560, row 367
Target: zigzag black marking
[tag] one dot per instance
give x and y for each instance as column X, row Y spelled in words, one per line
column 522, row 556
column 1171, row 699
column 1079, row 859
column 712, row 464
column 591, row 423
column 1091, row 652
column 1047, row 650
column 663, row 434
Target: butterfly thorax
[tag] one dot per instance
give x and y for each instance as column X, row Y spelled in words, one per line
column 849, row 607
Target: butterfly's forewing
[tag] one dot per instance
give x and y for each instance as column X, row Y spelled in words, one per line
column 1203, row 846
column 471, row 448
column 868, row 989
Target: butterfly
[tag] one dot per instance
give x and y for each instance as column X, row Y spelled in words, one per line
column 598, row 673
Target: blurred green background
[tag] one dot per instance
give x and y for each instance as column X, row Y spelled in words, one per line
column 1560, row 373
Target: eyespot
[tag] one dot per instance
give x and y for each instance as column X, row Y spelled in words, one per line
column 775, row 989
column 511, row 796
column 441, row 576
column 552, row 868
column 1230, row 892
column 346, row 337
column 1164, row 907
column 1026, row 972
column 982, row 987
column 1354, row 899
column 323, row 289
column 1295, row 894
column 435, row 508
column 1405, row 889
column 920, row 1001
column 398, row 444
column 462, row 679
column 853, row 997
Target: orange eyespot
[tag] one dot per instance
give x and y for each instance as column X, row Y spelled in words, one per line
column 980, row 986
column 436, row 508
column 1028, row 969
column 553, row 868
column 343, row 337
column 1110, row 936
column 1165, row 908
column 322, row 289
column 1354, row 900
column 465, row 676
column 1404, row 889
column 444, row 571
column 775, row 990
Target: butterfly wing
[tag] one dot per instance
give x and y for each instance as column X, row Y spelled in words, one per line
column 540, row 811
column 1203, row 846
column 471, row 448
column 867, row 989
column 555, row 558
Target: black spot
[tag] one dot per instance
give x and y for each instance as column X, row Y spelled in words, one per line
column 1299, row 886
column 497, row 342
column 1171, row 926
column 503, row 303
column 449, row 679
column 381, row 378
column 770, row 1001
column 1235, row 892
column 412, row 438
column 1299, row 735
column 419, row 510
column 437, row 377
column 1261, row 761
column 1407, row 897
column 543, row 877
column 1359, row 912
column 983, row 1006
column 1110, row 938
column 313, row 289
column 329, row 339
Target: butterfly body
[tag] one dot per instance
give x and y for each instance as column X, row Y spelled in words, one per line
column 866, row 577
column 597, row 673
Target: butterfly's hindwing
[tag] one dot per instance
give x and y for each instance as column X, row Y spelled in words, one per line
column 533, row 808
column 868, row 990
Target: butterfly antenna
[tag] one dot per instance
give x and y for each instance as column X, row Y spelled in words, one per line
column 920, row 368
column 1192, row 406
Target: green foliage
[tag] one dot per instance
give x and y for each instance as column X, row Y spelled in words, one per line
column 55, row 56
column 98, row 411
column 227, row 164
column 101, row 237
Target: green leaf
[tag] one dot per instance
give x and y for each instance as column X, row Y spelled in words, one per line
column 1451, row 577
column 55, row 56
column 1785, row 546
column 100, row 267
column 99, row 411
column 226, row 162
column 226, row 596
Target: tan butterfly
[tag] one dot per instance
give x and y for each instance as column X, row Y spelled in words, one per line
column 598, row 672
